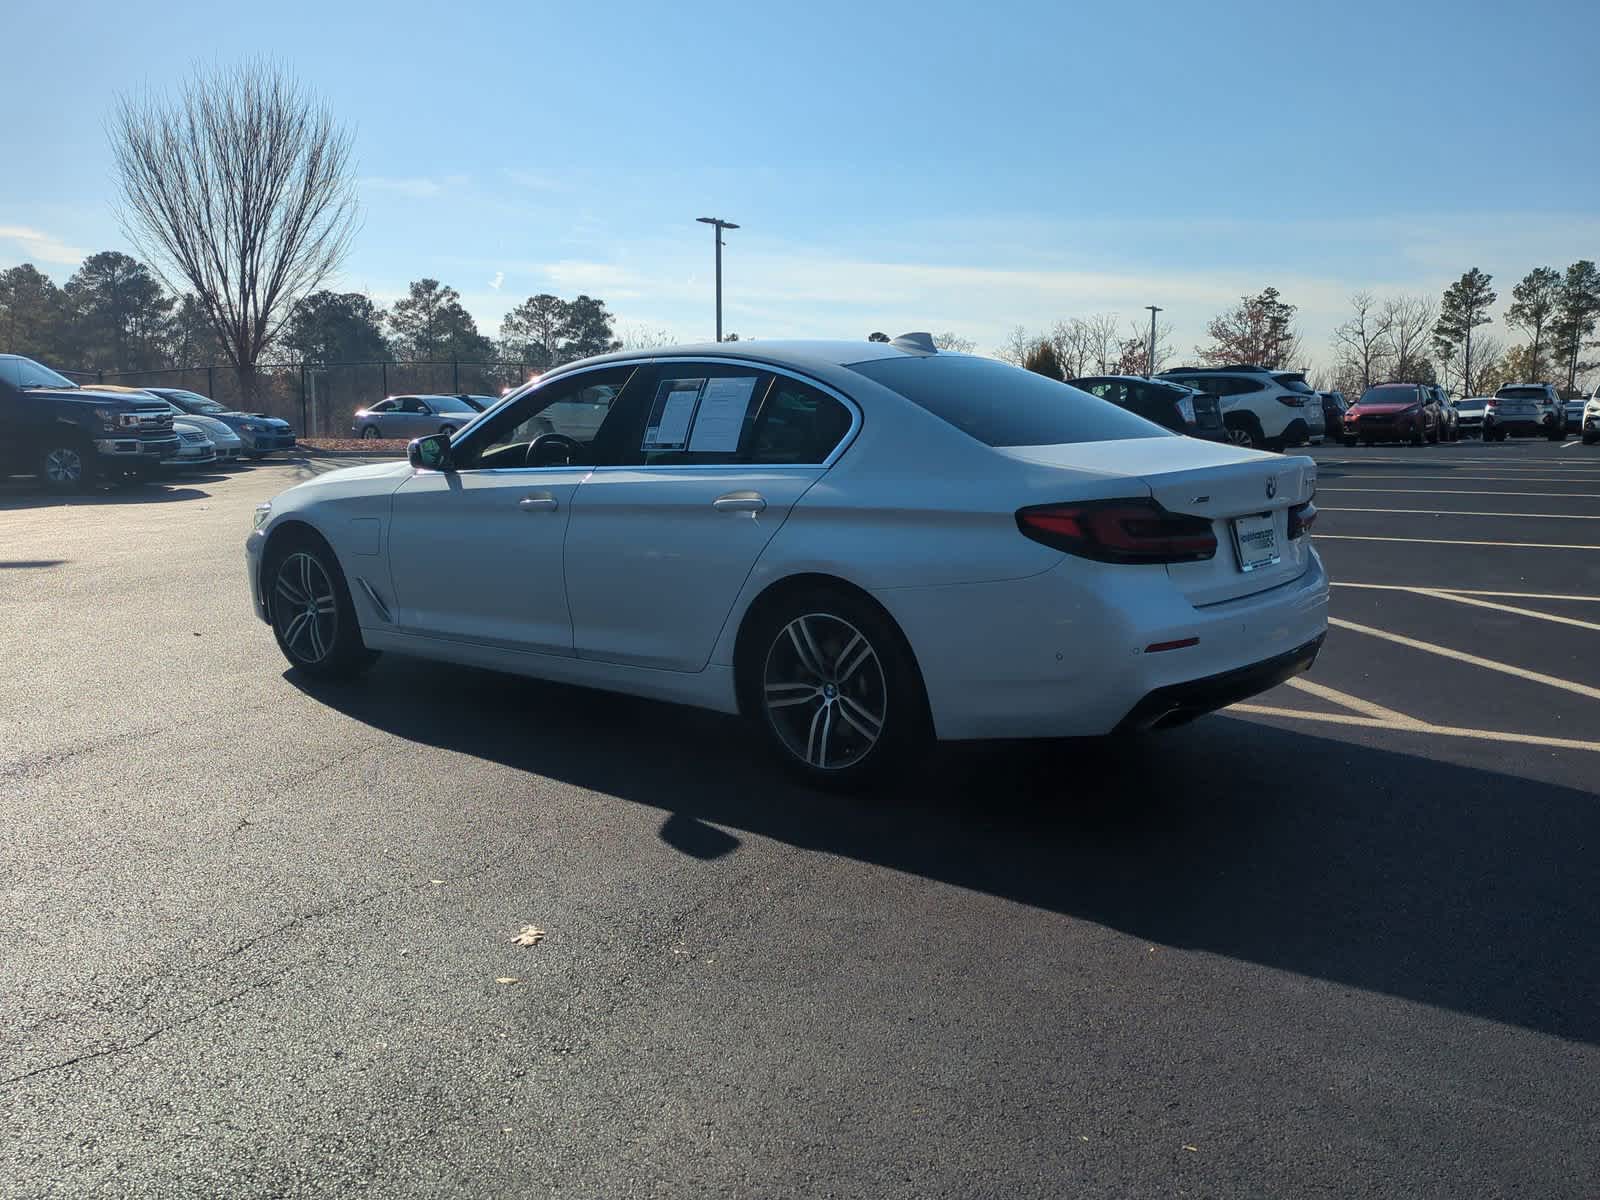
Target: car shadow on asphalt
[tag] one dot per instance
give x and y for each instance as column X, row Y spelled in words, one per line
column 1391, row 872
column 18, row 498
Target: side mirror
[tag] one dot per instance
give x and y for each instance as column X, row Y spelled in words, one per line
column 431, row 453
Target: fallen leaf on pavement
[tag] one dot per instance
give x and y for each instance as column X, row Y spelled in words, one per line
column 508, row 979
column 531, row 935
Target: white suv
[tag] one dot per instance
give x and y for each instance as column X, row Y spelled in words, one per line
column 1259, row 409
column 1590, row 428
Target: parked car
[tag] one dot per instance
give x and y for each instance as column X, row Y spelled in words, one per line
column 1574, row 422
column 1591, row 419
column 1525, row 410
column 481, row 403
column 259, row 433
column 195, row 449
column 1333, row 410
column 1258, row 411
column 1316, row 423
column 1449, row 422
column 72, row 437
column 412, row 416
column 1170, row 405
column 877, row 544
column 1469, row 414
column 228, row 444
column 1393, row 412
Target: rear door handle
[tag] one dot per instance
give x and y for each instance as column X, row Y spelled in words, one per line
column 750, row 502
column 538, row 502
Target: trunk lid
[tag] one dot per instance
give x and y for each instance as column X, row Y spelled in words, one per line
column 1219, row 482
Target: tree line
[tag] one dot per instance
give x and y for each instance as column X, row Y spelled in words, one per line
column 113, row 314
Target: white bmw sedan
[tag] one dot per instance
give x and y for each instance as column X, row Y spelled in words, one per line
column 859, row 546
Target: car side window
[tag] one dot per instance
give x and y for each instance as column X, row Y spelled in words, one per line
column 798, row 424
column 700, row 413
column 382, row 406
column 581, row 408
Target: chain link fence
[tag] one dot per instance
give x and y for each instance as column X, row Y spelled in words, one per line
column 319, row 399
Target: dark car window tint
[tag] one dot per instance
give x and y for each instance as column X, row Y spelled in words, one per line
column 1002, row 405
column 798, row 424
column 1390, row 393
column 1522, row 393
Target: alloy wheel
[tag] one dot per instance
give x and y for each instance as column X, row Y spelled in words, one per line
column 63, row 465
column 305, row 610
column 824, row 691
column 369, row 432
column 1240, row 437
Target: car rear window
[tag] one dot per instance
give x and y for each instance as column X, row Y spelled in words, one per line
column 1521, row 393
column 1296, row 383
column 1002, row 405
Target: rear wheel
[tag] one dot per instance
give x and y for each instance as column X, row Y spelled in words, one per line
column 1557, row 433
column 313, row 618
column 66, row 467
column 834, row 686
column 371, row 431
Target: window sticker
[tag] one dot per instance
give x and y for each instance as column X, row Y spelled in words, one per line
column 671, row 414
column 720, row 421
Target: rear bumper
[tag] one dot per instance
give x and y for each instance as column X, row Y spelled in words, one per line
column 1183, row 702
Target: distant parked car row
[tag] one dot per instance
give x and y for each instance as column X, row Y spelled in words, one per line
column 1422, row 414
column 418, row 415
column 72, row 437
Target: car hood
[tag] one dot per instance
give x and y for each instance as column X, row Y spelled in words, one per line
column 372, row 478
column 88, row 395
column 213, row 426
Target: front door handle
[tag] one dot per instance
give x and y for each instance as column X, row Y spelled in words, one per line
column 750, row 502
column 538, row 502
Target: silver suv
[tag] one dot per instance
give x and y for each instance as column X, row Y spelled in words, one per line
column 1262, row 409
column 1525, row 410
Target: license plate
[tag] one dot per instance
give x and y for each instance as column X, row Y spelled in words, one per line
column 1256, row 540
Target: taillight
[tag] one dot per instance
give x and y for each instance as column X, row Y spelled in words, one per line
column 1301, row 518
column 1291, row 399
column 1119, row 531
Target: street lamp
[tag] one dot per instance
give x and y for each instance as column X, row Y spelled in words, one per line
column 717, row 226
column 1150, row 357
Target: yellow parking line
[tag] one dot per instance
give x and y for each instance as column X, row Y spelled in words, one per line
column 1366, row 707
column 1402, row 587
column 1409, row 726
column 1451, row 512
column 1488, row 664
column 1352, row 537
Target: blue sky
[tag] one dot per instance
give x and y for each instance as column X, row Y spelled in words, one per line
column 949, row 166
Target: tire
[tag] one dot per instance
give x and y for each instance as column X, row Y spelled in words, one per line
column 1416, row 437
column 67, row 467
column 370, row 432
column 834, row 686
column 1348, row 441
column 447, row 430
column 1590, row 439
column 1244, row 431
column 309, row 605
column 1557, row 434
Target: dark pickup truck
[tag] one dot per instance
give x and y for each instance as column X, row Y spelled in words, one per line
column 72, row 437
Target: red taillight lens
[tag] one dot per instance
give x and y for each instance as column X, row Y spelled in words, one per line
column 1291, row 400
column 1301, row 518
column 1120, row 531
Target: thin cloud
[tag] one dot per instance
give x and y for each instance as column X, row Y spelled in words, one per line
column 499, row 278
column 41, row 246
column 418, row 187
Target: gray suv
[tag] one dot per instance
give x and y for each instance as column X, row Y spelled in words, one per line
column 1525, row 410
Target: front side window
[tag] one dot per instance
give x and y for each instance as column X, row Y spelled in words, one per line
column 382, row 406
column 1001, row 405
column 30, row 374
column 578, row 410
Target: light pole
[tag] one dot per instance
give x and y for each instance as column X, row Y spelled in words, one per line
column 1150, row 357
column 717, row 226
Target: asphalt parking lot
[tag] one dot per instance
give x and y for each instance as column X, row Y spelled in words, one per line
column 256, row 936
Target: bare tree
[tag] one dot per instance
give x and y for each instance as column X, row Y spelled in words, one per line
column 1411, row 320
column 239, row 190
column 642, row 337
column 1143, row 359
column 1102, row 341
column 1017, row 345
column 1485, row 369
column 1070, row 340
column 950, row 340
column 1363, row 345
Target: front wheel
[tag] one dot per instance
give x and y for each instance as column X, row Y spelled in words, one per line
column 835, row 688
column 370, row 433
column 66, row 468
column 313, row 618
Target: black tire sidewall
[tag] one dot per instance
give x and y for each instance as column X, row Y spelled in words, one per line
column 907, row 729
column 350, row 654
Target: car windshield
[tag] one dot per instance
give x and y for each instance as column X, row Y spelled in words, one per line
column 1390, row 393
column 450, row 404
column 1002, row 405
column 194, row 402
column 1520, row 393
column 33, row 375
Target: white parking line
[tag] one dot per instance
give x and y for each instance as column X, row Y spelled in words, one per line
column 1569, row 445
column 1355, row 703
column 1458, row 492
column 1405, row 725
column 1521, row 612
column 1404, row 587
column 1455, row 512
column 1566, row 685
column 1463, row 477
column 1353, row 537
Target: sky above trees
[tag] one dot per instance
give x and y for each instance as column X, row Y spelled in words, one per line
column 951, row 168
